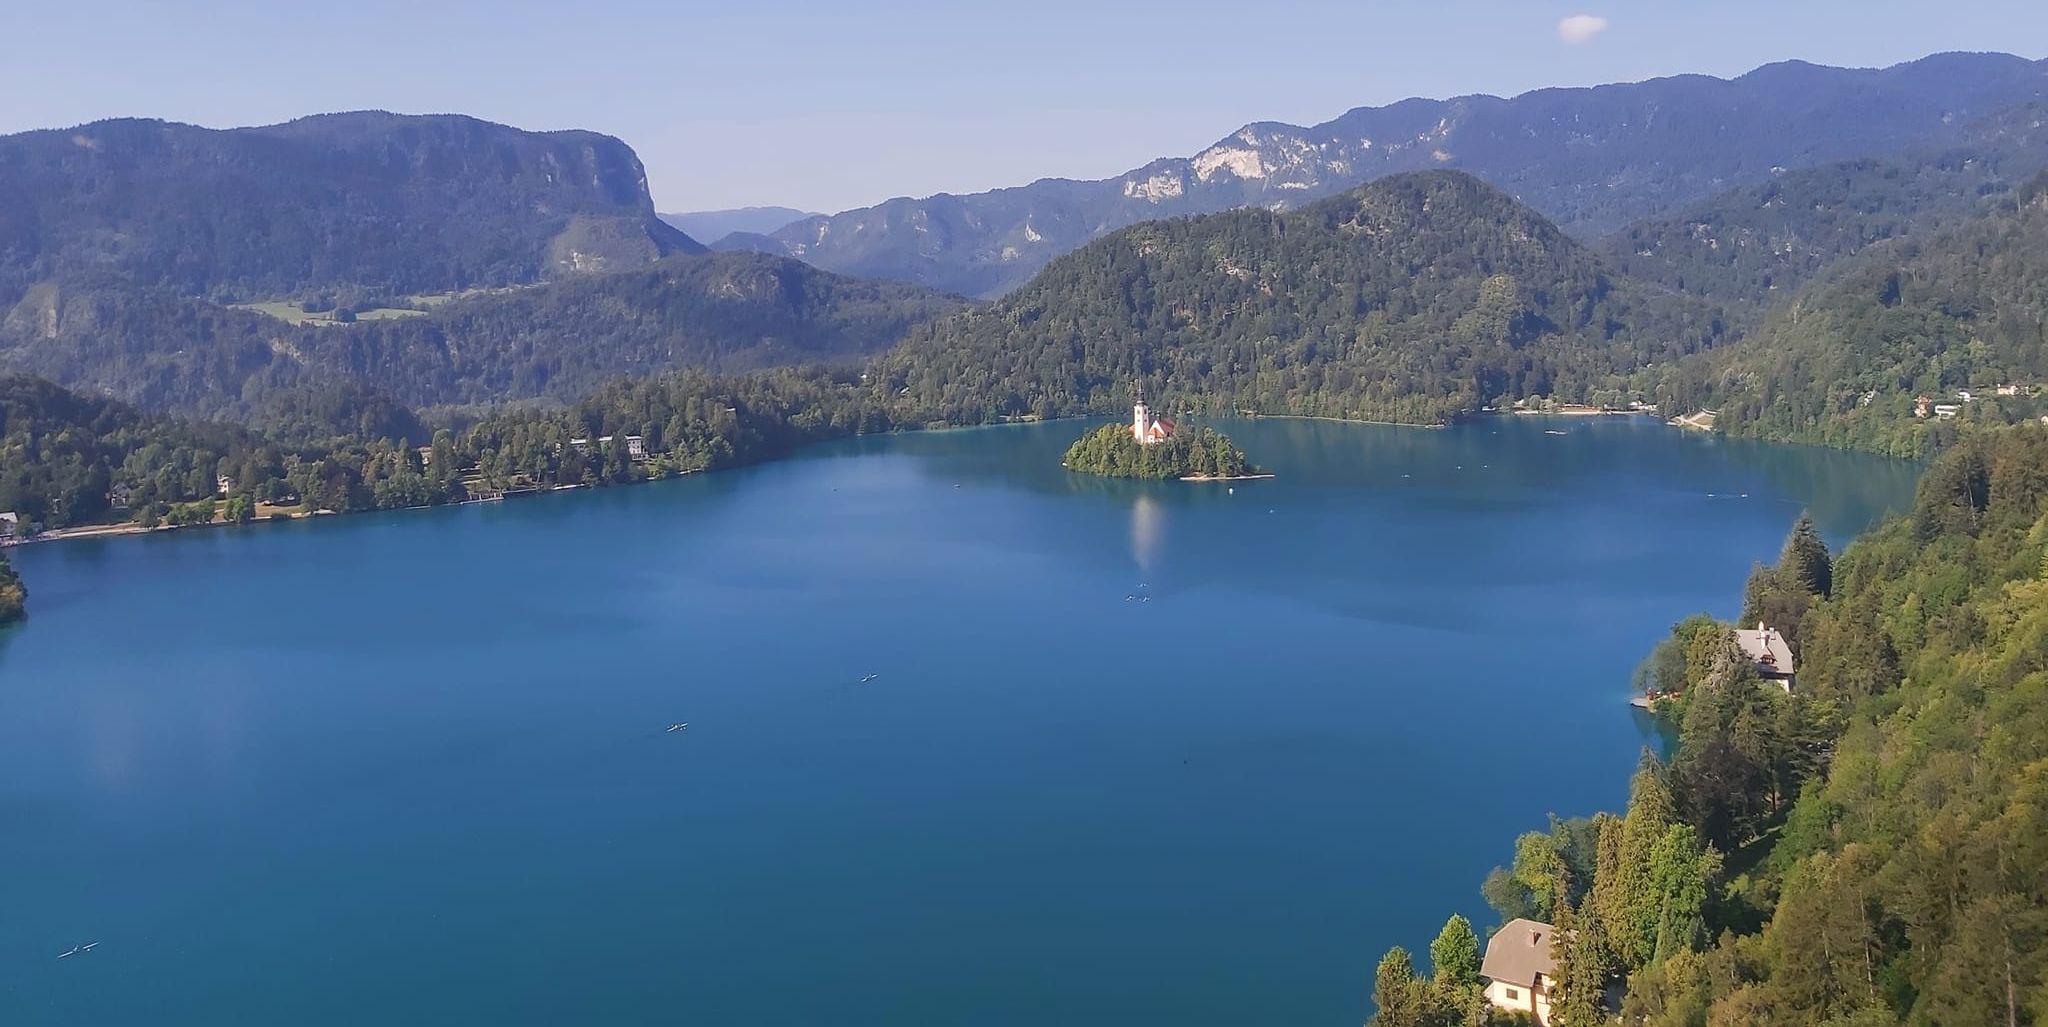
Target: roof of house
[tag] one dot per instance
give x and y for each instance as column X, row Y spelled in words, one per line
column 1767, row 647
column 1518, row 952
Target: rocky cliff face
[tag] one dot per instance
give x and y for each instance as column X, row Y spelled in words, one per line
column 380, row 201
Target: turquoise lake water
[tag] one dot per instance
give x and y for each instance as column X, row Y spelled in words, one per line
column 412, row 768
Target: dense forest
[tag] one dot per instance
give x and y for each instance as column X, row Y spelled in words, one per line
column 69, row 460
column 732, row 312
column 1756, row 244
column 1962, row 309
column 1190, row 452
column 1869, row 848
column 726, row 312
column 1415, row 298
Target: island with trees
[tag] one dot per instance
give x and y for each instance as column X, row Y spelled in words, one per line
column 1201, row 454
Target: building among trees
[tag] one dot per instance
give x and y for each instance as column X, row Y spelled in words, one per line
column 1519, row 968
column 1767, row 647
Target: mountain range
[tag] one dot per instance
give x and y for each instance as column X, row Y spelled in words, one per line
column 711, row 226
column 484, row 264
column 1592, row 159
column 369, row 200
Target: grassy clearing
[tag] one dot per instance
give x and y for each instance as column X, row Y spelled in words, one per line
column 288, row 311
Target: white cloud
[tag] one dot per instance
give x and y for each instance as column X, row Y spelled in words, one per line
column 1580, row 28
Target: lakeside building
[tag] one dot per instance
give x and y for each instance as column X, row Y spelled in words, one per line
column 1147, row 429
column 636, row 445
column 1773, row 657
column 1519, row 970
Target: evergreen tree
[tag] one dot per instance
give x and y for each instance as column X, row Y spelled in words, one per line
column 1454, row 955
column 1576, row 997
column 1804, row 562
column 1400, row 998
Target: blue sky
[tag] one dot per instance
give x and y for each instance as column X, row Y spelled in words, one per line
column 832, row 105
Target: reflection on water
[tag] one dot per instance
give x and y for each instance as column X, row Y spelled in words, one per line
column 1148, row 526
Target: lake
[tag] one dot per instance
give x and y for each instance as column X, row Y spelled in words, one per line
column 1133, row 753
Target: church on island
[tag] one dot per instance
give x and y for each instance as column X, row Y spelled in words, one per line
column 1147, row 429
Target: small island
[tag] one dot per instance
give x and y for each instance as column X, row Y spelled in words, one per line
column 1151, row 447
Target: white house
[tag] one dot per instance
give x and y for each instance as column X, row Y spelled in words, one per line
column 1518, row 969
column 1773, row 657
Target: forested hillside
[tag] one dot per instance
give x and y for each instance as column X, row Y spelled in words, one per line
column 730, row 312
column 1962, row 309
column 1755, row 245
column 1871, row 848
column 68, row 460
column 1416, row 298
column 725, row 312
column 394, row 203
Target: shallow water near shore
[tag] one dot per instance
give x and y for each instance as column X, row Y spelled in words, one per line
column 1133, row 752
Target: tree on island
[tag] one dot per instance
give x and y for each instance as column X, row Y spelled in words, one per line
column 1202, row 452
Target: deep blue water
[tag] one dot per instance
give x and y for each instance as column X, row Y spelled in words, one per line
column 411, row 768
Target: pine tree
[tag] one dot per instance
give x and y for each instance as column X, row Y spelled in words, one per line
column 1455, row 955
column 1805, row 561
column 1576, row 997
column 1401, row 997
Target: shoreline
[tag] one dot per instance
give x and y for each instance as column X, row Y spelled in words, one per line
column 118, row 530
column 1224, row 477
column 1575, row 411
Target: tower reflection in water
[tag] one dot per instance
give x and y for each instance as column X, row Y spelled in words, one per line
column 1148, row 532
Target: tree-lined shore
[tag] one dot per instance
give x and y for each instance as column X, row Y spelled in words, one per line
column 1870, row 847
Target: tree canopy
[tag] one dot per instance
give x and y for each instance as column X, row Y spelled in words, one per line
column 1871, row 848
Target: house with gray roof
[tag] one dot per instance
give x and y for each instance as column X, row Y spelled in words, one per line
column 1772, row 655
column 1518, row 968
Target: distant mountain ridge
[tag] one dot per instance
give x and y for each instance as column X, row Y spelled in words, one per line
column 370, row 199
column 1754, row 245
column 710, row 226
column 1592, row 159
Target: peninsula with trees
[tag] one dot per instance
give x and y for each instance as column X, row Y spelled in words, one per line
column 13, row 594
column 1153, row 447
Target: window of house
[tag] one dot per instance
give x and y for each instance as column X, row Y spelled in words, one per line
column 1513, row 994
